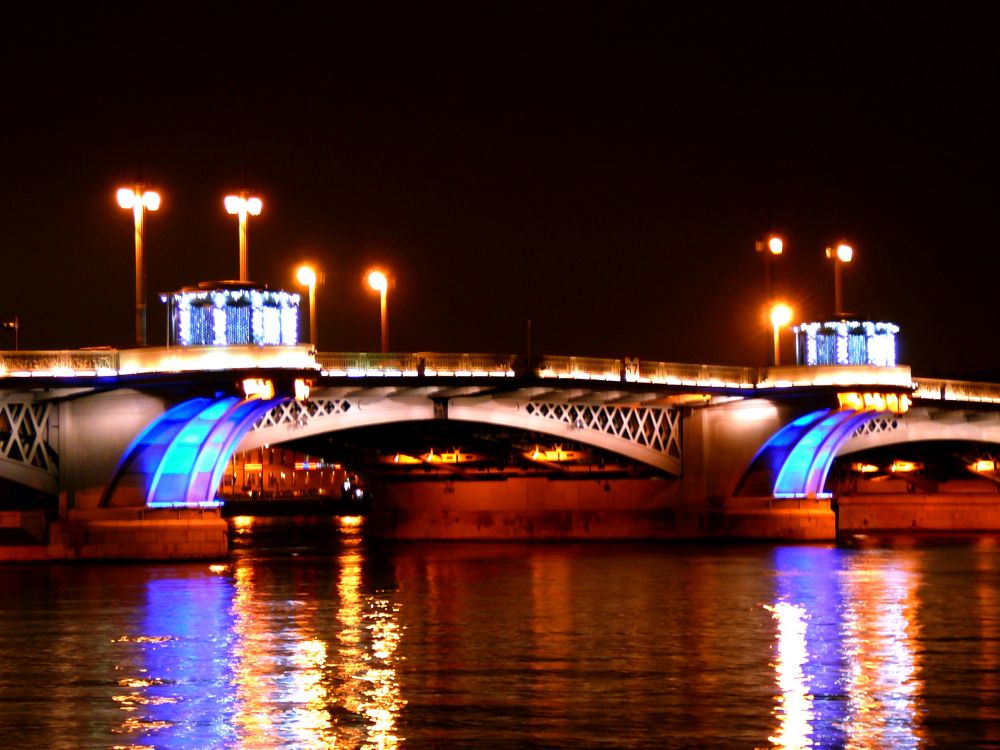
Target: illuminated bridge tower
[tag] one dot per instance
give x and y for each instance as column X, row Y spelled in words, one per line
column 796, row 460
column 232, row 356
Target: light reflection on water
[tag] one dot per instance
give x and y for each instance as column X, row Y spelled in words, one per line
column 349, row 645
column 846, row 649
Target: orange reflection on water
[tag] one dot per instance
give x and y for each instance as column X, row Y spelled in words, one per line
column 252, row 719
column 880, row 633
column 988, row 617
column 367, row 690
column 794, row 709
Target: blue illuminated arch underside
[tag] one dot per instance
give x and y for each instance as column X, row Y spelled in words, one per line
column 179, row 460
column 801, row 453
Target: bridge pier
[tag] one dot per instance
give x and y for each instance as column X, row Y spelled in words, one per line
column 541, row 509
column 124, row 534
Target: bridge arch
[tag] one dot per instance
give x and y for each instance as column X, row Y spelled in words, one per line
column 796, row 460
column 646, row 434
column 178, row 460
column 924, row 425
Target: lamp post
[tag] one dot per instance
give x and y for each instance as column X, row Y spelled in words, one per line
column 139, row 200
column 768, row 249
column 841, row 254
column 307, row 277
column 781, row 316
column 15, row 326
column 380, row 283
column 243, row 205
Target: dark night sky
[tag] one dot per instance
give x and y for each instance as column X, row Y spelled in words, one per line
column 604, row 172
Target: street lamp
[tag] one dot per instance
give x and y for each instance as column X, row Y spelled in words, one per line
column 307, row 277
column 380, row 283
column 243, row 205
column 139, row 200
column 768, row 248
column 841, row 254
column 781, row 316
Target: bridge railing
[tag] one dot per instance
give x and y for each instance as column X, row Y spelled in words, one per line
column 936, row 389
column 672, row 373
column 580, row 368
column 67, row 362
column 419, row 363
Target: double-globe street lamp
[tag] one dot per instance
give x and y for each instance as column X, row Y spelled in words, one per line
column 378, row 281
column 242, row 206
column 140, row 200
column 840, row 255
column 768, row 249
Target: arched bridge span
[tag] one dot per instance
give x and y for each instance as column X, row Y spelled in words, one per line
column 646, row 434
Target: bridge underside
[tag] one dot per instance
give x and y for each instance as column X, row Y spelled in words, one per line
column 631, row 432
column 434, row 450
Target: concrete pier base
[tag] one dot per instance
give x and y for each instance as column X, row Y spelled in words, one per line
column 764, row 518
column 912, row 512
column 129, row 534
column 542, row 509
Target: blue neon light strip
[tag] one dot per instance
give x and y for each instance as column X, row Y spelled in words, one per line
column 804, row 470
column 250, row 412
column 179, row 459
column 146, row 451
column 827, row 451
column 217, row 449
column 169, row 482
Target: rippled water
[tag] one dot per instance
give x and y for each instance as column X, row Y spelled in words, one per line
column 348, row 644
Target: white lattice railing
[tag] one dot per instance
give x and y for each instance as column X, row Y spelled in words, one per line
column 651, row 427
column 956, row 390
column 877, row 426
column 301, row 413
column 24, row 431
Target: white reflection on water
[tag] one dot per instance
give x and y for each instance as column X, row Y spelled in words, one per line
column 794, row 701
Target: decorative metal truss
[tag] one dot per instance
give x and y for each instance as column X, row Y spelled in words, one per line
column 298, row 414
column 885, row 423
column 24, row 435
column 650, row 427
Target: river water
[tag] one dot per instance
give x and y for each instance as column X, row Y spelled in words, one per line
column 333, row 641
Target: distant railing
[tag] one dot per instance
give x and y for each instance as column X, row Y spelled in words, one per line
column 672, row 373
column 67, row 362
column 956, row 390
column 420, row 363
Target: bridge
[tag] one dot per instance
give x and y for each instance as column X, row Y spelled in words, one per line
column 97, row 446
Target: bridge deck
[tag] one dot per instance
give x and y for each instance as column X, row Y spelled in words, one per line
column 79, row 367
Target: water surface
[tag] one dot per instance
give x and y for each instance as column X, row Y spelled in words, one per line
column 332, row 641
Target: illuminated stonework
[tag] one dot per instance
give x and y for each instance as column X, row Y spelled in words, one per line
column 846, row 342
column 227, row 313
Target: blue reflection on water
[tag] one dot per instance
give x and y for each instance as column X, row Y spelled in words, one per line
column 845, row 661
column 807, row 581
column 179, row 697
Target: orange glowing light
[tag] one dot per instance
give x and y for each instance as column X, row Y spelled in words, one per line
column 261, row 388
column 378, row 281
column 306, row 276
column 243, row 205
column 861, row 468
column 905, row 466
column 781, row 315
column 897, row 403
column 775, row 245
